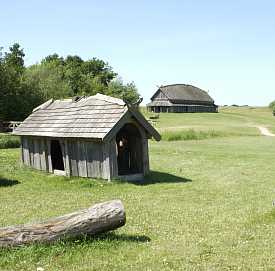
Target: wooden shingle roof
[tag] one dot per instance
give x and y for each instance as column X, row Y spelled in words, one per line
column 88, row 117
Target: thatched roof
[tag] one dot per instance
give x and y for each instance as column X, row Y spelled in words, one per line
column 178, row 93
column 89, row 117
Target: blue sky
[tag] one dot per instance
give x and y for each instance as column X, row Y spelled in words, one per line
column 226, row 47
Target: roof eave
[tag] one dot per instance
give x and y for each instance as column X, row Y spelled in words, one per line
column 146, row 125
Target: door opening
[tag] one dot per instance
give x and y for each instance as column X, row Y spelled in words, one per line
column 56, row 155
column 130, row 150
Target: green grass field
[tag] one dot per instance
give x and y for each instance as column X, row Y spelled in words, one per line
column 207, row 204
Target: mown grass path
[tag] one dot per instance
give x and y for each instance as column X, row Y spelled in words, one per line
column 264, row 131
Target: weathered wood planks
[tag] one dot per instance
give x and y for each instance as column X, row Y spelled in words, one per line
column 98, row 218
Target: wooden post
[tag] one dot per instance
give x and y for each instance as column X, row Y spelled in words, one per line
column 67, row 160
column 50, row 167
column 106, row 170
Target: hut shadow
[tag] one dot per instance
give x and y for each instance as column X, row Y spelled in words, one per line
column 111, row 236
column 108, row 237
column 7, row 182
column 155, row 177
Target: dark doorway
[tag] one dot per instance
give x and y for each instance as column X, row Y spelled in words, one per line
column 56, row 154
column 130, row 151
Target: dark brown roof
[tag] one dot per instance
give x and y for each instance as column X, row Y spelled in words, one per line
column 90, row 117
column 183, row 92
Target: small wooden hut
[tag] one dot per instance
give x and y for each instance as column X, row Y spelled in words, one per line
column 97, row 136
column 181, row 98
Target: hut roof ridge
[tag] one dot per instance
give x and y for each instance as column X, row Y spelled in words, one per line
column 88, row 117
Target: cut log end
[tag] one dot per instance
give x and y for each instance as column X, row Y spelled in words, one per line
column 99, row 218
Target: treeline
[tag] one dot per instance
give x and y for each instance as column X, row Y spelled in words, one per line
column 23, row 88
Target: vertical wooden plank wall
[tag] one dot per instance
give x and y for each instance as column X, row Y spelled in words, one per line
column 31, row 150
column 67, row 160
column 62, row 146
column 82, row 159
column 43, row 158
column 26, row 153
column 146, row 165
column 94, row 158
column 145, row 151
column 106, row 168
column 48, row 155
column 72, row 150
column 113, row 159
column 34, row 152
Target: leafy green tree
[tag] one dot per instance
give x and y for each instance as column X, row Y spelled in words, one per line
column 15, row 58
column 23, row 88
column 12, row 68
column 17, row 97
column 128, row 92
column 48, row 80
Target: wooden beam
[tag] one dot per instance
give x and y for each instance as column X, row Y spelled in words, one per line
column 98, row 218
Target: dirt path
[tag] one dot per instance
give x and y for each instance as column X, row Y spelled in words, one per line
column 264, row 131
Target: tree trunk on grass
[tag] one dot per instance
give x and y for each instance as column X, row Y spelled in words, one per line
column 98, row 218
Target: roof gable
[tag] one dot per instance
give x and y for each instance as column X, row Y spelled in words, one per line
column 88, row 117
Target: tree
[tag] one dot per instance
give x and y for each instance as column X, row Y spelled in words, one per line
column 48, row 80
column 15, row 58
column 17, row 96
column 23, row 88
column 128, row 92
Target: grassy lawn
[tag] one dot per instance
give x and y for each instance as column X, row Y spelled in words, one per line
column 230, row 121
column 207, row 204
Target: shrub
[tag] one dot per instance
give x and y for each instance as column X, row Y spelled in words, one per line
column 189, row 135
column 272, row 105
column 8, row 141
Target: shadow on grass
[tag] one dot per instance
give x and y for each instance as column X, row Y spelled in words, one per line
column 155, row 177
column 111, row 236
column 7, row 182
column 105, row 240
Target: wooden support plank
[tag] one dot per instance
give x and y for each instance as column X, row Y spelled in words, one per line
column 48, row 144
column 113, row 159
column 62, row 146
column 31, row 150
column 22, row 150
column 82, row 165
column 26, row 153
column 106, row 169
column 146, row 166
column 67, row 159
column 43, row 158
column 36, row 154
column 73, row 157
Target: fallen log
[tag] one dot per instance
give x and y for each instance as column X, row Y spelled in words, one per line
column 98, row 218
